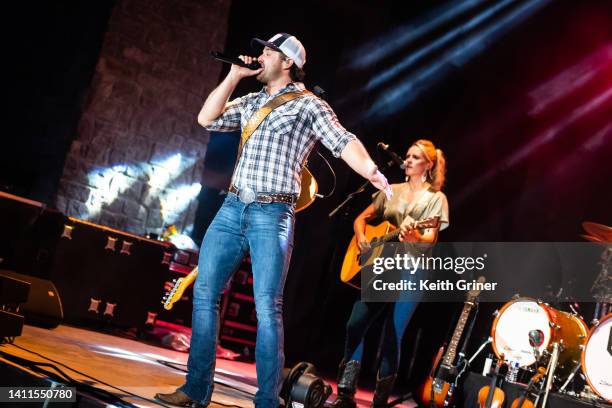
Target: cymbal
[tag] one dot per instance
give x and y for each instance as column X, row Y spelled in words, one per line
column 603, row 232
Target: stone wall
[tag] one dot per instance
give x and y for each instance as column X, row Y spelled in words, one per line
column 136, row 163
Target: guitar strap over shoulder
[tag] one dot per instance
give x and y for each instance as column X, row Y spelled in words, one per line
column 262, row 113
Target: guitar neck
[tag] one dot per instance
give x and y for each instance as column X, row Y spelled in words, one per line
column 451, row 351
column 394, row 235
column 391, row 236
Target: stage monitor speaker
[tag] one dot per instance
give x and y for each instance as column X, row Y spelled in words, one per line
column 44, row 306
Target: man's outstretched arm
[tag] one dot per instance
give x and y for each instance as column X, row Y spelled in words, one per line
column 357, row 157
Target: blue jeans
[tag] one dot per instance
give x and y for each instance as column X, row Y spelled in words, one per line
column 397, row 316
column 266, row 230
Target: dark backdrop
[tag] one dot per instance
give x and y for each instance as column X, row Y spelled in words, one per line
column 513, row 175
column 52, row 49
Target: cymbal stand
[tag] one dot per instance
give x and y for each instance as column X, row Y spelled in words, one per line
column 602, row 287
column 570, row 378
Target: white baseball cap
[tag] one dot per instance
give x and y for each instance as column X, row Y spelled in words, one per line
column 288, row 45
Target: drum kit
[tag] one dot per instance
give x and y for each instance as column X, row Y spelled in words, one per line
column 530, row 334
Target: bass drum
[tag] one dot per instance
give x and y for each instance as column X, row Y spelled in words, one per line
column 597, row 358
column 520, row 319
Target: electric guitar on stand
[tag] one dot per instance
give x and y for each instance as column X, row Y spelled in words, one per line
column 376, row 236
column 175, row 293
column 438, row 389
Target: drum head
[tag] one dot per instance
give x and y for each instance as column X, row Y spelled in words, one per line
column 597, row 359
column 512, row 327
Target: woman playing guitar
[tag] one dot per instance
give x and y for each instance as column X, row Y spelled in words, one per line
column 417, row 199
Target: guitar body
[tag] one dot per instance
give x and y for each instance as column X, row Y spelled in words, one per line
column 525, row 403
column 308, row 191
column 491, row 397
column 440, row 381
column 351, row 266
column 439, row 387
column 442, row 392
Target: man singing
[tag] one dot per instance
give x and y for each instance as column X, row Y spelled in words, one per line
column 258, row 213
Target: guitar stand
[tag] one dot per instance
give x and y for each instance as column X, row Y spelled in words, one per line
column 482, row 346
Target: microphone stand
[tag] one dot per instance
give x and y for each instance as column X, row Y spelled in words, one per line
column 361, row 189
column 482, row 346
column 550, row 372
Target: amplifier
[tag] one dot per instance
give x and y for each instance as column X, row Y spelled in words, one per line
column 109, row 276
column 11, row 324
column 13, row 291
column 17, row 216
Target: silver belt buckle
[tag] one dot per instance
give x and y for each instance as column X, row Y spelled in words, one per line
column 246, row 195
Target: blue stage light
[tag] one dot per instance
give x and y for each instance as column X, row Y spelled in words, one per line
column 380, row 48
column 435, row 46
column 399, row 96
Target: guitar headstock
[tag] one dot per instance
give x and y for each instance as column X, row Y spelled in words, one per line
column 175, row 293
column 473, row 294
column 172, row 295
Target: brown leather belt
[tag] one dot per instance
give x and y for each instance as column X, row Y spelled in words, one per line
column 266, row 198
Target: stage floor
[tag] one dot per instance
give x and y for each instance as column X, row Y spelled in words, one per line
column 107, row 361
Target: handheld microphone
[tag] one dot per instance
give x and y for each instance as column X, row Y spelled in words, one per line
column 398, row 160
column 234, row 60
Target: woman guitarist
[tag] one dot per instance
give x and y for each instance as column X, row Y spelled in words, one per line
column 417, row 199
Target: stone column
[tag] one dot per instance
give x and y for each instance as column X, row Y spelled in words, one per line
column 136, row 163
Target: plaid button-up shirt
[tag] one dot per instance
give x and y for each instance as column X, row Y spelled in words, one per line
column 273, row 157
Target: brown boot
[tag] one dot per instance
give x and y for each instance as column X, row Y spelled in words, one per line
column 348, row 373
column 384, row 386
column 179, row 398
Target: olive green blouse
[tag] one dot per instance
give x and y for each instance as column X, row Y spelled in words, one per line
column 429, row 204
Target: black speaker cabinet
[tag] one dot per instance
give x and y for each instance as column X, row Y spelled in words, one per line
column 11, row 324
column 13, row 291
column 109, row 276
column 17, row 216
column 44, row 305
